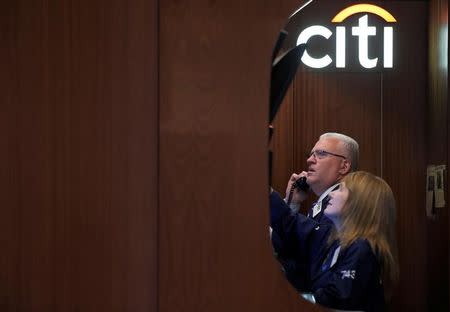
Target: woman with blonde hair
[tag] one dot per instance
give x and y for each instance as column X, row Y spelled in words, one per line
column 353, row 265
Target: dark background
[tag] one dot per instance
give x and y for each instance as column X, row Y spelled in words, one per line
column 133, row 151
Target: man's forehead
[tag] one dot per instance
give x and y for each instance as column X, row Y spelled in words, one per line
column 327, row 143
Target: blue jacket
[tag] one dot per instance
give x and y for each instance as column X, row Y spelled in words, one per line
column 288, row 264
column 351, row 281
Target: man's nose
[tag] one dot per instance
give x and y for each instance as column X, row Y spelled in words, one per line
column 311, row 159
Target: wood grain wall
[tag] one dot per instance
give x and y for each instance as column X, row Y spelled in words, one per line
column 79, row 155
column 215, row 253
column 438, row 153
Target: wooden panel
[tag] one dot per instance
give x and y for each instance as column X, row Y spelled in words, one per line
column 437, row 153
column 215, row 253
column 404, row 95
column 339, row 102
column 283, row 144
column 404, row 148
column 79, row 121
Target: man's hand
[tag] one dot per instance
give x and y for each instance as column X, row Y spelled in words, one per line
column 298, row 196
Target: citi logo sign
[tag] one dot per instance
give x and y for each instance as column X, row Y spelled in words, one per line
column 363, row 31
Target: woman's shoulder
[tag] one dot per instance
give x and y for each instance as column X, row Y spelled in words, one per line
column 360, row 248
column 359, row 258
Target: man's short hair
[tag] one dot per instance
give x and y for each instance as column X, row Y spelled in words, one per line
column 350, row 145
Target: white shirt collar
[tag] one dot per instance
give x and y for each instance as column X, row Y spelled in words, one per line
column 318, row 206
column 328, row 191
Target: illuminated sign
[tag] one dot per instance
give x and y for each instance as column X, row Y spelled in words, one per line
column 363, row 31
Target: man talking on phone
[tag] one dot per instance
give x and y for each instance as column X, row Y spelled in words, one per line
column 333, row 156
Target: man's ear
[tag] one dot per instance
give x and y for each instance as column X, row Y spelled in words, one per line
column 345, row 167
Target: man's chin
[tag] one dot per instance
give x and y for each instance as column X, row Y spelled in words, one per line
column 311, row 179
column 313, row 185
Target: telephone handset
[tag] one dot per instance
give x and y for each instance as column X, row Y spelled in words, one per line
column 299, row 184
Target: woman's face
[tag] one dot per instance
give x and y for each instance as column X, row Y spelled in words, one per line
column 337, row 201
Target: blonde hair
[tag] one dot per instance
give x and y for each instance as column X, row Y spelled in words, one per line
column 369, row 213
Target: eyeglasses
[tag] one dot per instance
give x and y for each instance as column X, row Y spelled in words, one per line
column 320, row 154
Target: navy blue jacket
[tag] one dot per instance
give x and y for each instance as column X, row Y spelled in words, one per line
column 351, row 283
column 288, row 264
